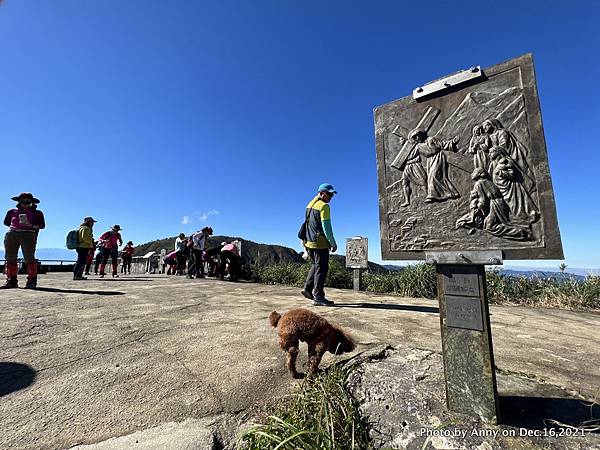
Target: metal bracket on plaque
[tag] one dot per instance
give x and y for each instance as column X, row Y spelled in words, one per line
column 447, row 82
column 488, row 257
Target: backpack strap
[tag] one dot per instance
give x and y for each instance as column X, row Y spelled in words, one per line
column 308, row 212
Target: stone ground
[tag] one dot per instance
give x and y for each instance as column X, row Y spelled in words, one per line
column 102, row 360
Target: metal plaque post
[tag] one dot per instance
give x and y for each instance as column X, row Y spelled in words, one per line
column 464, row 181
column 357, row 252
column 469, row 369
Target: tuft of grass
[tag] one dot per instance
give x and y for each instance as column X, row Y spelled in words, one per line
column 322, row 415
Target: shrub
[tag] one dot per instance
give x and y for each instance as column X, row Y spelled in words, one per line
column 546, row 292
column 419, row 280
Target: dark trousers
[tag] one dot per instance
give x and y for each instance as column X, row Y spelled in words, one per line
column 15, row 239
column 82, row 254
column 113, row 254
column 126, row 263
column 196, row 267
column 180, row 262
column 231, row 261
column 315, row 281
column 98, row 261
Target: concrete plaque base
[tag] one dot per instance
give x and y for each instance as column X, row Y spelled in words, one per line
column 357, row 279
column 467, row 343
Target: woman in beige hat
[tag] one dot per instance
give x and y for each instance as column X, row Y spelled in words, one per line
column 23, row 222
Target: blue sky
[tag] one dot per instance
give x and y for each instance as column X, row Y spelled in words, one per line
column 145, row 113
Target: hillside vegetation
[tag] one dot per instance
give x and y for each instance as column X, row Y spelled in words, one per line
column 253, row 254
column 419, row 280
column 276, row 264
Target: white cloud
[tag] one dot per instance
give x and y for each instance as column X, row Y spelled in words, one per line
column 186, row 220
column 203, row 216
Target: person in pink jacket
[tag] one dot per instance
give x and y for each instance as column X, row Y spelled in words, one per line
column 24, row 223
column 171, row 261
column 230, row 262
column 110, row 242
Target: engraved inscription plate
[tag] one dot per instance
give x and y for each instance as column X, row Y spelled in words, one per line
column 462, row 284
column 464, row 312
column 357, row 253
column 466, row 169
column 461, row 281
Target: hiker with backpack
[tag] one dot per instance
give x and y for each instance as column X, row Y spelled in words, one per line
column 23, row 222
column 85, row 242
column 126, row 257
column 110, row 249
column 196, row 244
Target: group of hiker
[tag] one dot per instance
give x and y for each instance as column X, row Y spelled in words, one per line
column 189, row 256
column 105, row 248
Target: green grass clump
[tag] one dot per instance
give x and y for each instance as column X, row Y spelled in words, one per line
column 294, row 274
column 412, row 281
column 323, row 415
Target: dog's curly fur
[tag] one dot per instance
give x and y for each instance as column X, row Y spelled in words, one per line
column 303, row 325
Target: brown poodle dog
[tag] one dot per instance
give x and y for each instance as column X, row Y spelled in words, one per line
column 303, row 325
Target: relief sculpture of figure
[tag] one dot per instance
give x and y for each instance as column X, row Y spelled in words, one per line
column 479, row 146
column 413, row 174
column 488, row 203
column 501, row 137
column 507, row 176
column 439, row 186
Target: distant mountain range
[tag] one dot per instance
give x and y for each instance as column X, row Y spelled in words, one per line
column 542, row 274
column 569, row 273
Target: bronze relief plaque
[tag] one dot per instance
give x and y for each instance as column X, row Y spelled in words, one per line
column 357, row 253
column 466, row 168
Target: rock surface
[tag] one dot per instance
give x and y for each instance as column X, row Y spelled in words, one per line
column 401, row 393
column 83, row 362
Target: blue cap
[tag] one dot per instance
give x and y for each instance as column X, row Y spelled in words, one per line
column 327, row 187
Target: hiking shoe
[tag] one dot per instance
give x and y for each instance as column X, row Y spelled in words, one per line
column 102, row 275
column 31, row 284
column 322, row 302
column 307, row 294
column 77, row 278
column 10, row 284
